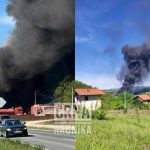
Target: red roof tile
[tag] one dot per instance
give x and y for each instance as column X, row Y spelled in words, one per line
column 85, row 92
column 144, row 97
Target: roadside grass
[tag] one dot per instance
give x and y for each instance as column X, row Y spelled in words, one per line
column 6, row 144
column 118, row 132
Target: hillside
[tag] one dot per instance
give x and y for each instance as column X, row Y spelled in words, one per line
column 136, row 90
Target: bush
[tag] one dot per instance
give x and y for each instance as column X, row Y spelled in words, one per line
column 99, row 114
column 111, row 102
column 143, row 106
column 118, row 106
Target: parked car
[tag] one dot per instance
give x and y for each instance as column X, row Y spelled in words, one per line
column 4, row 117
column 11, row 127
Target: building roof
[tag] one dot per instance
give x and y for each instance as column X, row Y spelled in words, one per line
column 143, row 97
column 86, row 92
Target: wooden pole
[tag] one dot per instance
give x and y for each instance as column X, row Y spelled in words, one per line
column 72, row 97
column 35, row 97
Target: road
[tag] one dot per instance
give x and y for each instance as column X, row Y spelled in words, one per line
column 50, row 140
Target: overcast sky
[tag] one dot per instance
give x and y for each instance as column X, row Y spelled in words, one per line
column 103, row 27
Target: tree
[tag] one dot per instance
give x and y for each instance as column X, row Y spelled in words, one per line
column 117, row 102
column 109, row 101
column 129, row 99
column 63, row 93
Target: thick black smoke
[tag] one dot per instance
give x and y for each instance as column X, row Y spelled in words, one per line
column 43, row 34
column 43, row 37
column 137, row 65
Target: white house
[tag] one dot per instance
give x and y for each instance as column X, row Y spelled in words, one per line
column 90, row 98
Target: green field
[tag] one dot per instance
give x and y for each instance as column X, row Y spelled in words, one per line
column 118, row 132
column 16, row 145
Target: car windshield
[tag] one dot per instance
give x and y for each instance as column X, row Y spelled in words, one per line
column 13, row 122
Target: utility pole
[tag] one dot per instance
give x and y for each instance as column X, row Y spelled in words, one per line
column 125, row 102
column 72, row 97
column 35, row 97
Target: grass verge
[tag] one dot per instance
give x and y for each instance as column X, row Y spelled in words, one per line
column 121, row 132
column 6, row 144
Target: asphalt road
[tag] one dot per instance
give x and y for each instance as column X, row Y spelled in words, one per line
column 48, row 139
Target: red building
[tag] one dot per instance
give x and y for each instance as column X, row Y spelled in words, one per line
column 39, row 108
column 143, row 98
column 12, row 111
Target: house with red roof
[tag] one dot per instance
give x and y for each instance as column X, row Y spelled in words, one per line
column 143, row 98
column 90, row 98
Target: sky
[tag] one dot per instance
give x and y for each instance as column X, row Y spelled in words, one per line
column 6, row 23
column 103, row 27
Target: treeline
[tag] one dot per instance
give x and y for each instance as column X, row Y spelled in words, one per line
column 120, row 101
column 63, row 94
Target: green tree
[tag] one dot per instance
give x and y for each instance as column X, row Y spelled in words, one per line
column 117, row 102
column 63, row 93
column 129, row 99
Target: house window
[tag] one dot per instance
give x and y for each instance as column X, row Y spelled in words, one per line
column 86, row 98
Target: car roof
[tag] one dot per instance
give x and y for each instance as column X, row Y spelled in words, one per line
column 10, row 119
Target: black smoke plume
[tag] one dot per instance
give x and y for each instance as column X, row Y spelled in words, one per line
column 43, row 37
column 137, row 65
